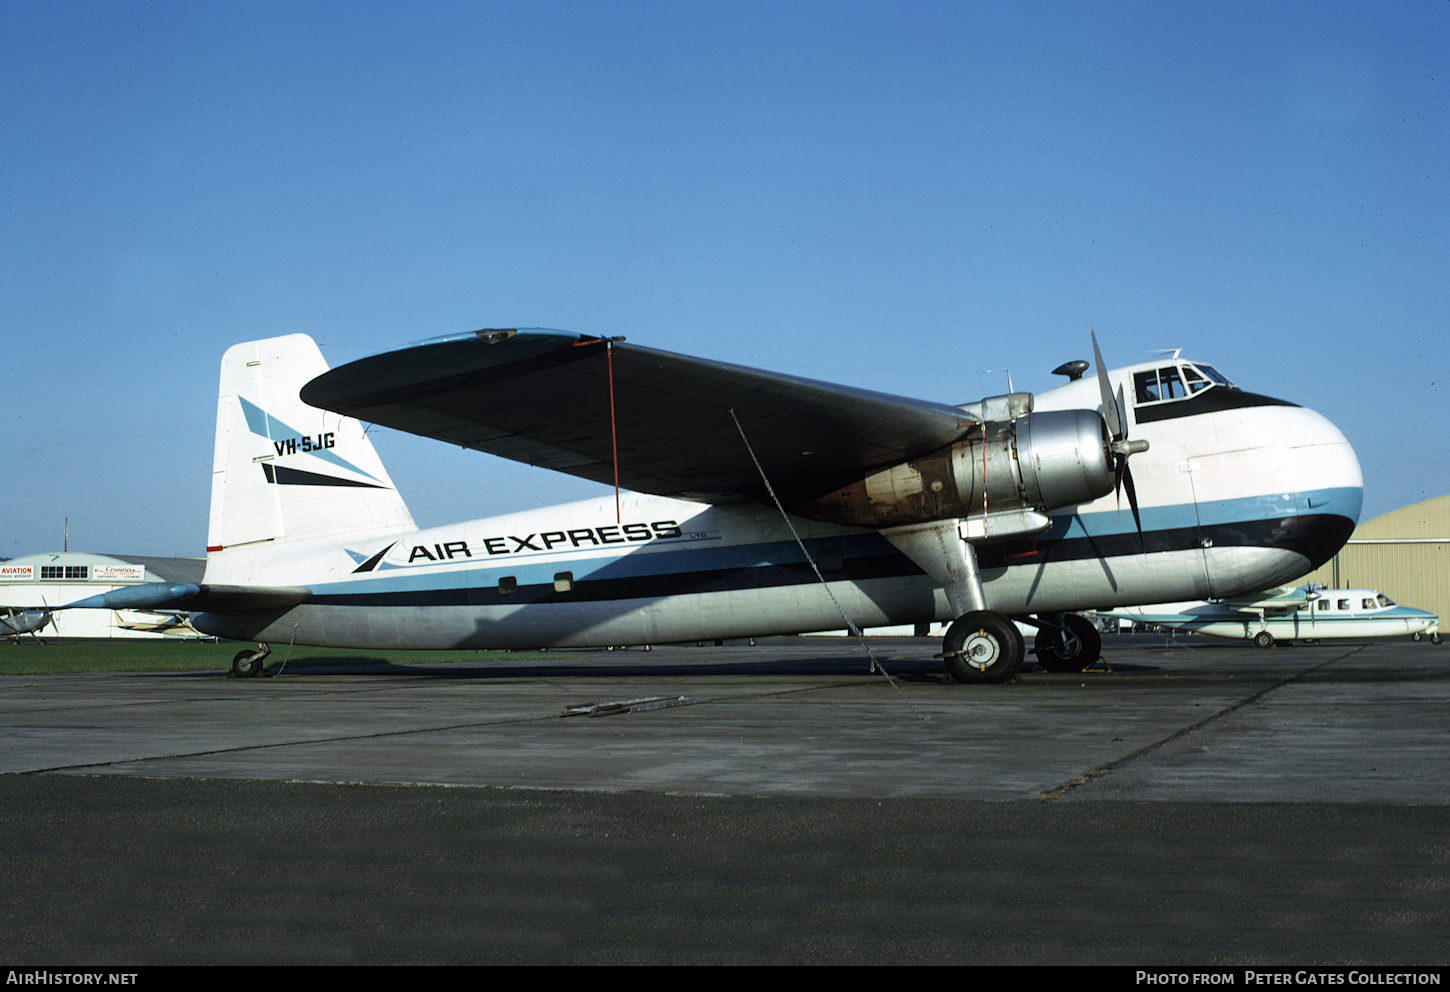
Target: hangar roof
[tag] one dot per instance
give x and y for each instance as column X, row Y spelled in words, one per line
column 1428, row 519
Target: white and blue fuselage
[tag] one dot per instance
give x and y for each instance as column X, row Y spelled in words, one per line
column 1235, row 493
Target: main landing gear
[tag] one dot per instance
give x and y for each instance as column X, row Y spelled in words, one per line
column 980, row 646
column 983, row 647
column 1069, row 648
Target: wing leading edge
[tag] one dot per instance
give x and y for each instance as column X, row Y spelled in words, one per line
column 543, row 397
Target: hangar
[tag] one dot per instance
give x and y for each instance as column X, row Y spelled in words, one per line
column 49, row 580
column 1405, row 554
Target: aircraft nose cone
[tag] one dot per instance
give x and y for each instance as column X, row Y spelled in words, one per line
column 1329, row 484
column 1307, row 493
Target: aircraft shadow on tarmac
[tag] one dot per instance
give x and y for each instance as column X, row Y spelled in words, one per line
column 671, row 662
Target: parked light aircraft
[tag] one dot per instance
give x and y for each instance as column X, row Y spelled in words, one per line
column 167, row 624
column 17, row 620
column 901, row 511
column 1283, row 615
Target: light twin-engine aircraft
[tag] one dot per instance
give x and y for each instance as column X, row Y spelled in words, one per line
column 1282, row 616
column 900, row 511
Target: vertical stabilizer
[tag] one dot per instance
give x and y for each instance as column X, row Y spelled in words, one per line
column 286, row 471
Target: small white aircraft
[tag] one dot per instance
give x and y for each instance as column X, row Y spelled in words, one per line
column 1283, row 615
column 167, row 624
column 757, row 503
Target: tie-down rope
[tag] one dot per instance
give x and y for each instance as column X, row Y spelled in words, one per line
column 876, row 665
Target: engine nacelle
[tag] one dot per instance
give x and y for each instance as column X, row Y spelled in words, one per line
column 1035, row 461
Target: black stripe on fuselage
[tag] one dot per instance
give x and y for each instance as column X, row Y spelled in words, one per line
column 1315, row 537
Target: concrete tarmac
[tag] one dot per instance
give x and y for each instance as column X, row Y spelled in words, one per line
column 1204, row 802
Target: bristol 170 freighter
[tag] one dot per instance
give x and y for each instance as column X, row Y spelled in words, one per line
column 746, row 503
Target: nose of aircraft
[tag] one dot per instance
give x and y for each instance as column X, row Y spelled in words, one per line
column 1329, row 485
column 1282, row 480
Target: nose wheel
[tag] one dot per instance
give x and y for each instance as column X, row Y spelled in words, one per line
column 983, row 647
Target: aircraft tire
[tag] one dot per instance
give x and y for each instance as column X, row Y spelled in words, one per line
column 1415, row 637
column 1435, row 638
column 247, row 665
column 983, row 648
column 1263, row 639
column 1084, row 645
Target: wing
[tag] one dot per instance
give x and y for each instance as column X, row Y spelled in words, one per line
column 543, row 397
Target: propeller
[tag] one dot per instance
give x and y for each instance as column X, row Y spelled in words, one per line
column 1117, row 421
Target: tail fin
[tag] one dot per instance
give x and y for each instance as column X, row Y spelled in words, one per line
column 286, row 471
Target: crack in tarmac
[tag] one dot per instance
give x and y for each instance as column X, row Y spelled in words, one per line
column 1059, row 791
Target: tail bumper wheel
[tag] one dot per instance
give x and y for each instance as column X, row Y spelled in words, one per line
column 248, row 665
column 983, row 647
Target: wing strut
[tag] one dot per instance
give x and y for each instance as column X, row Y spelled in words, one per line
column 876, row 666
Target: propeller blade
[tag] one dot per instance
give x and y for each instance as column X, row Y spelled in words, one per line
column 1110, row 409
column 1116, row 417
column 1132, row 496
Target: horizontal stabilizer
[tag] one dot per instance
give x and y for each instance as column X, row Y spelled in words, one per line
column 186, row 596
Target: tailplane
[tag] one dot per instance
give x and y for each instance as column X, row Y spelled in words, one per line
column 283, row 470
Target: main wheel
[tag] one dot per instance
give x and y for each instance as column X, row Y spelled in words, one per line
column 983, row 647
column 1071, row 649
column 247, row 665
column 1263, row 639
column 1415, row 637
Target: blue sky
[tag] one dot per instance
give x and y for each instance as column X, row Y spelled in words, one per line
column 911, row 197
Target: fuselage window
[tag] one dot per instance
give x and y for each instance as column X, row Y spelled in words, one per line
column 563, row 581
column 1344, row 604
column 507, row 584
column 1367, row 604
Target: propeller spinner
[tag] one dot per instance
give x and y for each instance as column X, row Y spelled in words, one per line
column 1115, row 415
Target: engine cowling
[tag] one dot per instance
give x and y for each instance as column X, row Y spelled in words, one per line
column 1032, row 462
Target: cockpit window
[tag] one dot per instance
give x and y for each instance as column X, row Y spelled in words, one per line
column 1215, row 375
column 1145, row 387
column 1384, row 600
column 1175, row 382
column 1159, row 384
